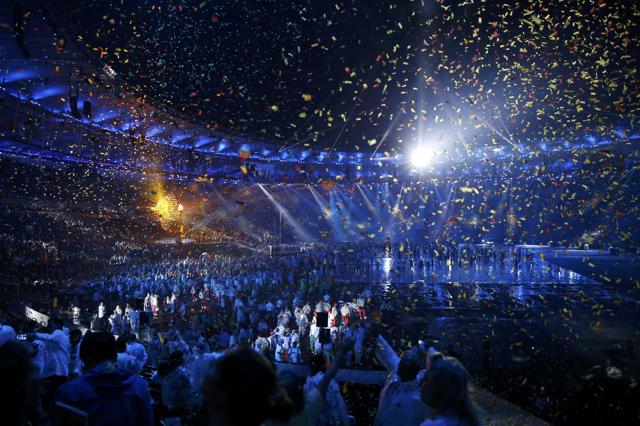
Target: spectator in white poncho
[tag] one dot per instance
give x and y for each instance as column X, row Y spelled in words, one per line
column 400, row 401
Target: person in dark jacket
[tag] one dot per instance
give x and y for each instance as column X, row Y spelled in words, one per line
column 109, row 396
column 20, row 403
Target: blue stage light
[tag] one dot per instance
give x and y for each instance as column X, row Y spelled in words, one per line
column 421, row 157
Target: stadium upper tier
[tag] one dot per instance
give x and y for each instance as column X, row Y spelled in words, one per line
column 60, row 102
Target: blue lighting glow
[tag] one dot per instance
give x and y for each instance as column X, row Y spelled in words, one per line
column 20, row 75
column 178, row 136
column 154, row 130
column 48, row 92
column 203, row 140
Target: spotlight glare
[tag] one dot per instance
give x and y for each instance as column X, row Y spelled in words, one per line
column 421, row 157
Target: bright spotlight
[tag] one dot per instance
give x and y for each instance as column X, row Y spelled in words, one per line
column 421, row 157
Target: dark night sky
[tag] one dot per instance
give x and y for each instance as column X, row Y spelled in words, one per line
column 343, row 74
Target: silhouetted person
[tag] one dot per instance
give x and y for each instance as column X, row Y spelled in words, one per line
column 20, row 402
column 108, row 395
column 335, row 411
column 242, row 391
column 307, row 407
column 400, row 401
column 446, row 391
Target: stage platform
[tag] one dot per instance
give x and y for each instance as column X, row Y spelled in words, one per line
column 622, row 269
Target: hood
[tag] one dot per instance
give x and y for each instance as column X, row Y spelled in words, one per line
column 106, row 376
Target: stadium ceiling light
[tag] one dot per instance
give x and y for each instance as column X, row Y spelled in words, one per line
column 421, row 157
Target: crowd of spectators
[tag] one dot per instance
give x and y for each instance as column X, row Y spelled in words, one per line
column 98, row 379
column 221, row 301
column 159, row 353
